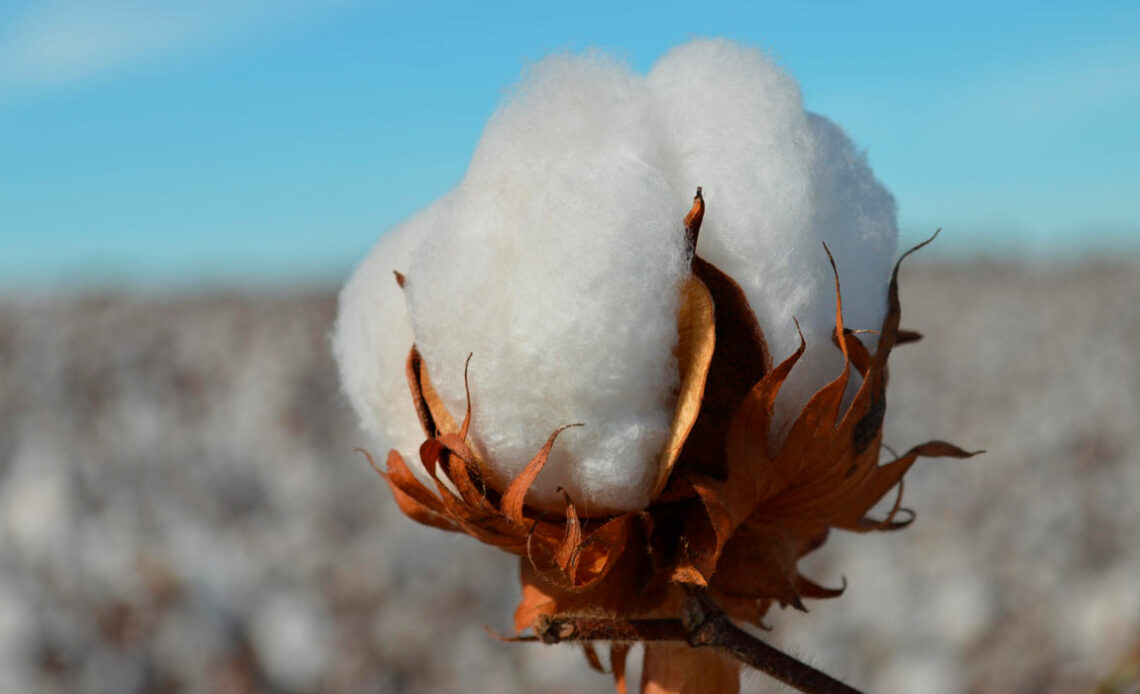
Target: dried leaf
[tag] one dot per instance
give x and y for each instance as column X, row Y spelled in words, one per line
column 905, row 336
column 760, row 562
column 412, row 497
column 749, row 473
column 516, row 492
column 412, row 371
column 618, row 655
column 696, row 341
column 890, row 331
column 444, row 423
column 739, row 361
column 886, row 476
column 592, row 658
column 567, row 554
column 600, row 550
column 534, row 602
column 694, row 219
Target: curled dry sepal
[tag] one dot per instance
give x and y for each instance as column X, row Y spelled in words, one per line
column 733, row 510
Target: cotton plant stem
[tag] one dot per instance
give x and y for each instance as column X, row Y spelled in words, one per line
column 551, row 630
column 702, row 625
column 708, row 625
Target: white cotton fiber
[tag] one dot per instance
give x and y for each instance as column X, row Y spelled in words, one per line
column 373, row 336
column 559, row 270
column 557, row 260
column 779, row 183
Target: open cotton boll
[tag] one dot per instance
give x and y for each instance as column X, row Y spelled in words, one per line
column 779, row 182
column 558, row 268
column 557, row 261
column 373, row 336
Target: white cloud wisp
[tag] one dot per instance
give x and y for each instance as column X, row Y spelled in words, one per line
column 56, row 43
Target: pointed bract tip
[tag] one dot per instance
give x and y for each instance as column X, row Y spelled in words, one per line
column 693, row 221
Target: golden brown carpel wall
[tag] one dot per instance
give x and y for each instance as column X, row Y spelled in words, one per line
column 733, row 511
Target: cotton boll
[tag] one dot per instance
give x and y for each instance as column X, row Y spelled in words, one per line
column 373, row 336
column 558, row 268
column 779, row 183
column 557, row 260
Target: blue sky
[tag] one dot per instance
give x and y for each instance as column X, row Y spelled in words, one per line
column 144, row 142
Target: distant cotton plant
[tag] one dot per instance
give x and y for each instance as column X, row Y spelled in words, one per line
column 557, row 285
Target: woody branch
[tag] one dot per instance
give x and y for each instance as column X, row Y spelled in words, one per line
column 703, row 624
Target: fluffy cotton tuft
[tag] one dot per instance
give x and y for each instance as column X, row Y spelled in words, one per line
column 557, row 261
column 559, row 269
column 373, row 336
column 779, row 182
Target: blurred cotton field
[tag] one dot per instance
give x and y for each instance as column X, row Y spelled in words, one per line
column 184, row 188
column 182, row 509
